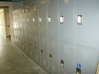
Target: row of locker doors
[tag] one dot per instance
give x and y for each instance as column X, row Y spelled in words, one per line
column 57, row 56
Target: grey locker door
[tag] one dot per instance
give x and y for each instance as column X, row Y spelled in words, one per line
column 54, row 62
column 36, row 24
column 53, row 13
column 44, row 51
column 87, row 32
column 36, row 48
column 66, row 28
column 88, row 59
column 42, row 17
column 67, row 54
column 87, row 35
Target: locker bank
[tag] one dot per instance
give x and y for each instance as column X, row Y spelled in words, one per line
column 61, row 36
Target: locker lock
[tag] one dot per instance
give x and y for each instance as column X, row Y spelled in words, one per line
column 50, row 56
column 78, row 71
column 61, row 19
column 62, row 63
column 35, row 47
column 41, row 52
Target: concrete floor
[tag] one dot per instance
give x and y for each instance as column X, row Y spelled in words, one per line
column 13, row 61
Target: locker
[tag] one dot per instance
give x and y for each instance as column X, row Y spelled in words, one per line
column 54, row 62
column 87, row 57
column 67, row 55
column 42, row 17
column 52, row 11
column 36, row 24
column 36, row 48
column 66, row 14
column 30, row 45
column 87, row 32
column 44, row 51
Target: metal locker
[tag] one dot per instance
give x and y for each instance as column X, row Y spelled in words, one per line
column 67, row 58
column 87, row 35
column 42, row 17
column 30, row 44
column 54, row 61
column 53, row 18
column 87, row 58
column 66, row 20
column 87, row 30
column 44, row 51
column 35, row 25
column 36, row 48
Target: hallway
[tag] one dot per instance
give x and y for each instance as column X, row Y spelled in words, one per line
column 13, row 61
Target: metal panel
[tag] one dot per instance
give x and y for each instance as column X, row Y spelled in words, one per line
column 44, row 51
column 87, row 32
column 67, row 54
column 53, row 26
column 87, row 58
column 54, row 63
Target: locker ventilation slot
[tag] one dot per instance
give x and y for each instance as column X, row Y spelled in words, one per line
column 50, row 56
column 79, row 19
column 41, row 52
column 78, row 71
column 62, row 63
column 61, row 19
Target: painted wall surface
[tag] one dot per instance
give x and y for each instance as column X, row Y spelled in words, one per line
column 2, row 22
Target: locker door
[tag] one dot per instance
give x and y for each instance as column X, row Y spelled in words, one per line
column 87, row 35
column 67, row 58
column 42, row 17
column 54, row 62
column 87, row 31
column 53, row 15
column 66, row 14
column 35, row 25
column 88, row 59
column 44, row 51
column 36, row 48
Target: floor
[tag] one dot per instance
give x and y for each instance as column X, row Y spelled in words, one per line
column 13, row 61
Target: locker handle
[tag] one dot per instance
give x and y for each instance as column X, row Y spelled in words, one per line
column 40, row 19
column 49, row 19
column 78, row 71
column 41, row 52
column 62, row 63
column 79, row 19
column 61, row 19
column 29, row 45
column 35, row 47
column 50, row 56
column 33, row 20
